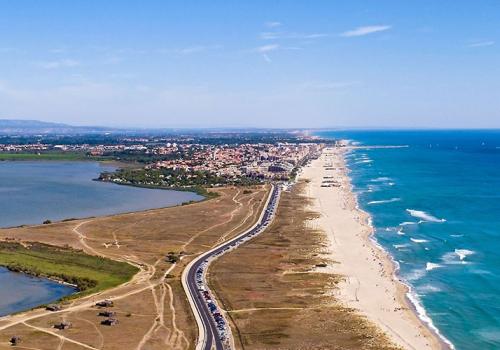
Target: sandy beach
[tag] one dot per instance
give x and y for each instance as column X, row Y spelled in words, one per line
column 370, row 284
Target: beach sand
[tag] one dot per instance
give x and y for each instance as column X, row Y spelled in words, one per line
column 370, row 284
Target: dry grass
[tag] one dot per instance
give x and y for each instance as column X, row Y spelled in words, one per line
column 152, row 309
column 277, row 298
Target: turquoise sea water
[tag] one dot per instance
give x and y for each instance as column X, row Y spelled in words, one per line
column 31, row 192
column 435, row 206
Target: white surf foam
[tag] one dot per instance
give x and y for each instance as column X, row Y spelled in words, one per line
column 398, row 246
column 431, row 266
column 381, row 179
column 419, row 214
column 406, row 223
column 417, row 240
column 463, row 253
column 454, row 258
column 384, row 201
column 415, row 274
column 491, row 335
column 412, row 297
column 427, row 288
column 422, row 314
column 401, row 232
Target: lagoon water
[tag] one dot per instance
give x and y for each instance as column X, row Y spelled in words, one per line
column 436, row 209
column 31, row 192
column 21, row 292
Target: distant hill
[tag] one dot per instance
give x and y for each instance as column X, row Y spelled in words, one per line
column 35, row 127
column 29, row 124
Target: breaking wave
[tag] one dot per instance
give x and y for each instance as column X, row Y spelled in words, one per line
column 398, row 246
column 458, row 256
column 427, row 288
column 381, row 179
column 463, row 253
column 422, row 314
column 406, row 223
column 417, row 240
column 419, row 214
column 431, row 266
column 384, row 201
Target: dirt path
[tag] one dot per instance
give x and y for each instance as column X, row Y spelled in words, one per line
column 231, row 217
column 45, row 330
column 166, row 326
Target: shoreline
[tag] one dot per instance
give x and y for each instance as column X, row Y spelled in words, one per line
column 199, row 190
column 57, row 281
column 59, row 221
column 372, row 285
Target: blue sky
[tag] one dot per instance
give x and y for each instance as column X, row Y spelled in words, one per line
column 421, row 63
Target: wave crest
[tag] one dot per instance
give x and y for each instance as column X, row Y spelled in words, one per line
column 420, row 214
column 463, row 253
column 384, row 201
column 417, row 240
column 431, row 266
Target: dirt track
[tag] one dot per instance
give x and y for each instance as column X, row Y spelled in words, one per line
column 151, row 308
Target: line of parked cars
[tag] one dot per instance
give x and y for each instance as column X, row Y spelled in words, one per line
column 221, row 324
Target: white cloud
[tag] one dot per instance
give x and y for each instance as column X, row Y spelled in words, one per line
column 264, row 50
column 63, row 63
column 267, row 48
column 285, row 35
column 273, row 24
column 482, row 43
column 361, row 31
column 270, row 35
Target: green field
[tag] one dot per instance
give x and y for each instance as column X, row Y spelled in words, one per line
column 90, row 273
column 44, row 156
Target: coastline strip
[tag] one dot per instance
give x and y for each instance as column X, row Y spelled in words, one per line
column 371, row 285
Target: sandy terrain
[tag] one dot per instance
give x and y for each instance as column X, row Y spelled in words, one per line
column 152, row 309
column 369, row 285
column 277, row 295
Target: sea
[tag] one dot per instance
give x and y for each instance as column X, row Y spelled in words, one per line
column 32, row 192
column 435, row 207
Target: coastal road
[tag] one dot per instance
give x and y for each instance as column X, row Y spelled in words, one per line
column 213, row 329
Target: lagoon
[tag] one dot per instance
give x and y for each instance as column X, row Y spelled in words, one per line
column 31, row 192
column 20, row 292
